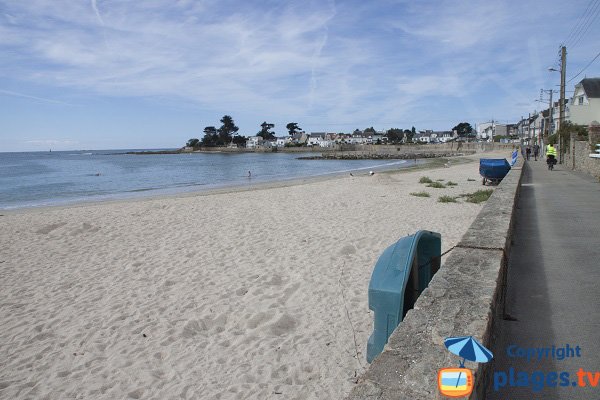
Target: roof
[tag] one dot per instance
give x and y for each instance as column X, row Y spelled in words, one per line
column 591, row 87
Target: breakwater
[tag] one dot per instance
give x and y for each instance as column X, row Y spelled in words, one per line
column 380, row 156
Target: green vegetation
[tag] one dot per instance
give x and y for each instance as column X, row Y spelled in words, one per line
column 425, row 179
column 293, row 128
column 479, row 196
column 450, row 183
column 464, row 129
column 265, row 131
column 440, row 180
column 192, row 143
column 470, row 180
column 420, row 194
column 223, row 136
column 436, row 185
column 447, row 199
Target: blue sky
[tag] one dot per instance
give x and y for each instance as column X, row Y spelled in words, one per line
column 102, row 74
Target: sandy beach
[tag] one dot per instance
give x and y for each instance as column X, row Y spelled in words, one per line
column 253, row 294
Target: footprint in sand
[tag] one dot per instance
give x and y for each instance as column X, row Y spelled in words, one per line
column 283, row 325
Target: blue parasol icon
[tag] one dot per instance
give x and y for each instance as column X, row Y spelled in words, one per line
column 468, row 348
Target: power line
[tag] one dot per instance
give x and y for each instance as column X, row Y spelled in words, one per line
column 578, row 25
column 592, row 16
column 579, row 73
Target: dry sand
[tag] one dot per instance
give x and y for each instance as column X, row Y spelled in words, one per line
column 258, row 294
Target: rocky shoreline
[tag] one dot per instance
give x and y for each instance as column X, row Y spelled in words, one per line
column 385, row 156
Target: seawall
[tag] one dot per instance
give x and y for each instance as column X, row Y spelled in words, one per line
column 464, row 298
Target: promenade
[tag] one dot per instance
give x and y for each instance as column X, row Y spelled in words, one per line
column 553, row 289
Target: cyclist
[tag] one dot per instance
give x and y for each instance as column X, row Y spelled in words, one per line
column 550, row 156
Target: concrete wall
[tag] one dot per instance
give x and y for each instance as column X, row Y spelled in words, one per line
column 465, row 297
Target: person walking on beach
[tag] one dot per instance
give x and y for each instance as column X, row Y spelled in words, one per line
column 536, row 151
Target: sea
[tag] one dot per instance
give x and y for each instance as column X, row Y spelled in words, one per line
column 40, row 179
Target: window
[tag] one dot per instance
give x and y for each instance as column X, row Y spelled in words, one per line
column 580, row 100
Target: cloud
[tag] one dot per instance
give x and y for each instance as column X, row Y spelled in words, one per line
column 26, row 96
column 331, row 63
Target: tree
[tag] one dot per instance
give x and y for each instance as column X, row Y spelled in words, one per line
column 227, row 130
column 410, row 134
column 370, row 130
column 293, row 128
column 395, row 135
column 192, row 143
column 240, row 141
column 210, row 138
column 265, row 132
column 464, row 129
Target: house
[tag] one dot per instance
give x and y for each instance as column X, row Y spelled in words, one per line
column 321, row 139
column 360, row 137
column 379, row 138
column 299, row 138
column 584, row 106
column 444, row 136
column 282, row 141
column 254, row 142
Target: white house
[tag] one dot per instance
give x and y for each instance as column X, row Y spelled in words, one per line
column 584, row 106
column 282, row 141
column 423, row 136
column 320, row 139
column 445, row 136
column 254, row 142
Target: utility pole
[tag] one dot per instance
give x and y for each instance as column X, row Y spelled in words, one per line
column 551, row 127
column 563, row 71
column 528, row 128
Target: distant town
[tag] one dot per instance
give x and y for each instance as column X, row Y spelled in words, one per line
column 578, row 112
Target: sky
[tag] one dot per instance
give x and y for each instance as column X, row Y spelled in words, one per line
column 116, row 74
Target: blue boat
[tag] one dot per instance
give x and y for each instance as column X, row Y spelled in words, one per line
column 493, row 169
column 401, row 274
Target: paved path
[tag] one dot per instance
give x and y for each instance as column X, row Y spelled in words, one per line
column 553, row 290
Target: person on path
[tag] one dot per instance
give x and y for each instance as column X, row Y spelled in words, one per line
column 528, row 152
column 536, row 151
column 550, row 154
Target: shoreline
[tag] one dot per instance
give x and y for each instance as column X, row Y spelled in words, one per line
column 127, row 197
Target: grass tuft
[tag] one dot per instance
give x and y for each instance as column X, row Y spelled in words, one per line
column 425, row 179
column 440, row 180
column 436, row 185
column 447, row 199
column 479, row 196
column 470, row 180
column 420, row 194
column 450, row 183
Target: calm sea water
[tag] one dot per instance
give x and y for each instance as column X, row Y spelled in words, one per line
column 65, row 177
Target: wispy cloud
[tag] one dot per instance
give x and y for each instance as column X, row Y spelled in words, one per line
column 26, row 96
